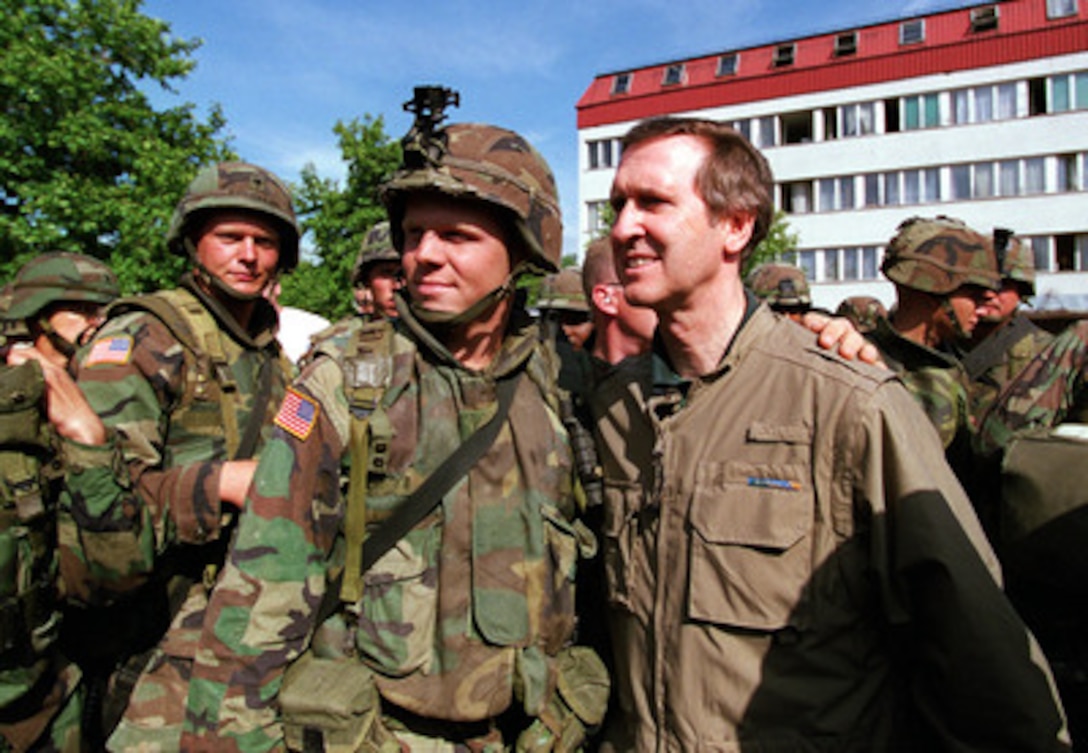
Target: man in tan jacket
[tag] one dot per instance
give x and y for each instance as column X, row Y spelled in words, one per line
column 791, row 564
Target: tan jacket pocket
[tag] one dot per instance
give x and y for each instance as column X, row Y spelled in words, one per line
column 751, row 544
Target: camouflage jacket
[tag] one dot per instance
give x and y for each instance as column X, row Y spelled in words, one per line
column 35, row 679
column 1052, row 389
column 1000, row 357
column 937, row 381
column 449, row 642
column 156, row 480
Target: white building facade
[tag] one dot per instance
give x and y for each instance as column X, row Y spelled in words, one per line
column 979, row 113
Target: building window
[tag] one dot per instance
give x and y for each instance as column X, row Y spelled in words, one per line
column 891, row 189
column 597, row 213
column 984, row 181
column 1006, row 101
column 1034, row 176
column 857, row 120
column 1059, row 94
column 977, row 105
column 912, row 32
column 922, row 111
column 797, row 127
column 831, row 264
column 1061, row 8
column 797, row 197
column 872, row 190
column 846, row 44
column 806, row 260
column 621, row 83
column 961, row 182
column 1067, row 173
column 727, row 65
column 783, row 55
column 984, row 18
column 1040, row 249
column 601, row 154
column 1010, row 178
column 674, row 75
column 766, row 132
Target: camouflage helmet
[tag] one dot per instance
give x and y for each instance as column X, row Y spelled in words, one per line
column 489, row 164
column 60, row 276
column 938, row 255
column 377, row 246
column 863, row 310
column 241, row 186
column 780, row 285
column 562, row 291
column 1017, row 259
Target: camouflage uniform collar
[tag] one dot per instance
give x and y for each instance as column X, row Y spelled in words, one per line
column 517, row 346
column 262, row 325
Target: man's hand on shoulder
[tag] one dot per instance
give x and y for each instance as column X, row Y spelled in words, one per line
column 839, row 333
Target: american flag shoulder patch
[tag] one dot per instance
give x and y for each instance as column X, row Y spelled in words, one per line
column 297, row 415
column 109, row 350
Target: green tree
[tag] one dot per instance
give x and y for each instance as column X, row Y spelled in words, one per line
column 780, row 243
column 86, row 163
column 335, row 218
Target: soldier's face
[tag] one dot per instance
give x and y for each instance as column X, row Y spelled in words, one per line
column 964, row 303
column 999, row 305
column 666, row 245
column 455, row 253
column 75, row 321
column 384, row 278
column 241, row 250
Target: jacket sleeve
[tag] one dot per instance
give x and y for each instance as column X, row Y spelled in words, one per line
column 262, row 611
column 976, row 675
column 126, row 505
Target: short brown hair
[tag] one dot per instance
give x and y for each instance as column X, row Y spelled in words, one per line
column 734, row 179
column 598, row 266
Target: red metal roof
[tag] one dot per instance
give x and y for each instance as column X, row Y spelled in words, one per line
column 1023, row 33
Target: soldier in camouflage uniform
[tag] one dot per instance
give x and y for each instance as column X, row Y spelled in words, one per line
column 54, row 300
column 377, row 275
column 783, row 287
column 459, row 637
column 1005, row 340
column 864, row 311
column 563, row 308
column 941, row 269
column 186, row 382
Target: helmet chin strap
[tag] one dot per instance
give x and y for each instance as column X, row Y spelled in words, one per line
column 213, row 283
column 489, row 301
column 961, row 333
column 60, row 344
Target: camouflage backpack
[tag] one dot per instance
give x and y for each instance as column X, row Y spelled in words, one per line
column 28, row 478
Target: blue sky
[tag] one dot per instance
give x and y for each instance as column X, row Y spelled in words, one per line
column 286, row 72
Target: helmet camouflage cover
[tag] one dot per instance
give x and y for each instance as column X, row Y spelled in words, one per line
column 780, row 285
column 939, row 255
column 863, row 310
column 238, row 186
column 562, row 291
column 1018, row 263
column 60, row 276
column 377, row 246
column 489, row 164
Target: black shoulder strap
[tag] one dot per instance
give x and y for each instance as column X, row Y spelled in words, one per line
column 429, row 494
column 991, row 350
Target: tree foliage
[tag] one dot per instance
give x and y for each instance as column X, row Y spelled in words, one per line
column 336, row 218
column 780, row 243
column 87, row 163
